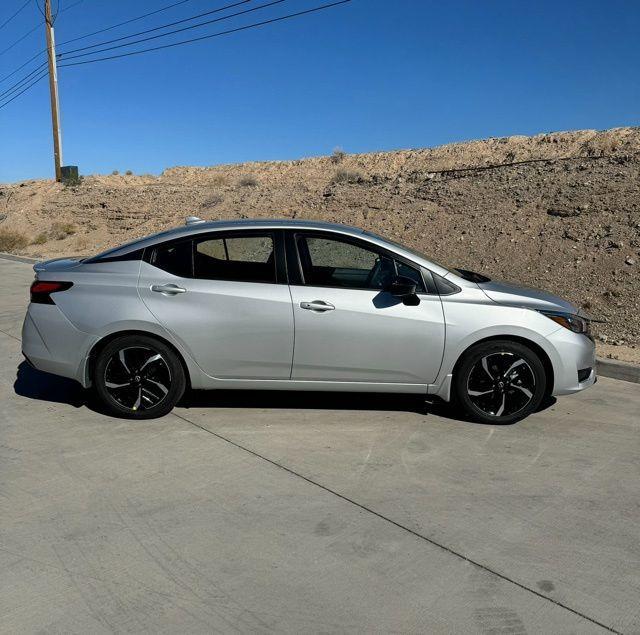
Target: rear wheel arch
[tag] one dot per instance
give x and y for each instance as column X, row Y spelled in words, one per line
column 535, row 348
column 101, row 343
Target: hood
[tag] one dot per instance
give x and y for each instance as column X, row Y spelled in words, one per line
column 57, row 264
column 514, row 295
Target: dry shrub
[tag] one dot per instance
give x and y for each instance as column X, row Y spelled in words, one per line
column 212, row 201
column 73, row 182
column 219, row 179
column 59, row 231
column 347, row 176
column 338, row 155
column 11, row 240
column 40, row 239
column 248, row 180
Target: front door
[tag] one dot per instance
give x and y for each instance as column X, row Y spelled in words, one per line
column 348, row 328
column 226, row 300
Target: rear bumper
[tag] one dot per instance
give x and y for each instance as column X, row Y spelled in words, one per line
column 574, row 353
column 52, row 344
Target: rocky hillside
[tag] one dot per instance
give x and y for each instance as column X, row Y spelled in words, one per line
column 559, row 211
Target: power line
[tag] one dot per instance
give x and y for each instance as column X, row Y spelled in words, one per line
column 21, row 81
column 43, row 74
column 37, row 26
column 166, row 26
column 115, row 26
column 22, row 37
column 33, row 57
column 186, row 28
column 140, row 17
column 212, row 35
column 24, row 90
column 24, row 6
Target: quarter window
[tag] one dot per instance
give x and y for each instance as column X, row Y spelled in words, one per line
column 237, row 258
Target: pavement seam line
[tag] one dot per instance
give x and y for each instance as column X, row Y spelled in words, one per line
column 17, row 339
column 448, row 550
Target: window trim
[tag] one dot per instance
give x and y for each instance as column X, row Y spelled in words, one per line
column 276, row 235
column 294, row 262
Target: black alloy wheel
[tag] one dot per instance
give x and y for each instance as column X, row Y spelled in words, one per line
column 500, row 382
column 138, row 377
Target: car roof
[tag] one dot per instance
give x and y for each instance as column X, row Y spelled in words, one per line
column 196, row 227
column 200, row 227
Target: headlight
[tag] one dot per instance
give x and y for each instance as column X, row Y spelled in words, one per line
column 570, row 321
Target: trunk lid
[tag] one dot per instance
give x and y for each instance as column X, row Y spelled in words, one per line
column 57, row 264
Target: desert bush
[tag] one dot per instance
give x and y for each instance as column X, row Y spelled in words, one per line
column 347, row 176
column 248, row 180
column 59, row 231
column 11, row 240
column 40, row 239
column 115, row 173
column 129, row 172
column 219, row 180
column 338, row 155
column 212, row 201
column 73, row 182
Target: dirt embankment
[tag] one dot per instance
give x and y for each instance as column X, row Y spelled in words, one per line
column 559, row 211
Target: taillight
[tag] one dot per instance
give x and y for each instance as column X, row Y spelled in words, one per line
column 41, row 290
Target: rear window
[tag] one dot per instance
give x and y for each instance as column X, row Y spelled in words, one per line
column 132, row 255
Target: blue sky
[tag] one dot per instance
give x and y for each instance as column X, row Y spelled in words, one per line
column 369, row 75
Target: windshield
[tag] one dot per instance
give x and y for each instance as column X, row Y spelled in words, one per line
column 465, row 274
column 415, row 252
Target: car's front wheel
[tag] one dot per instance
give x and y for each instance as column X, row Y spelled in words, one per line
column 138, row 377
column 499, row 382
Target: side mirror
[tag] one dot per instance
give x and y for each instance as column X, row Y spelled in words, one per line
column 402, row 287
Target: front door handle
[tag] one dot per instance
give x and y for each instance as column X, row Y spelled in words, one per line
column 317, row 305
column 167, row 289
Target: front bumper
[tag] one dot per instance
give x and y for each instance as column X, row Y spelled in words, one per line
column 574, row 352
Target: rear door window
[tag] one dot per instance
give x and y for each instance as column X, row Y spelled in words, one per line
column 237, row 258
column 174, row 258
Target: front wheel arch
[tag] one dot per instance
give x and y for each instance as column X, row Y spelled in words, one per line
column 536, row 348
column 101, row 343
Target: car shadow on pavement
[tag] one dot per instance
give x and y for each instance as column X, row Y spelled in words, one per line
column 36, row 384
column 298, row 400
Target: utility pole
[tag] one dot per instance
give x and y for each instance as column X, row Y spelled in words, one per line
column 53, row 88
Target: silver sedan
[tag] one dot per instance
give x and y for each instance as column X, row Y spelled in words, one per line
column 297, row 305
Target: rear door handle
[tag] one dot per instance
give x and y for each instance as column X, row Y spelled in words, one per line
column 167, row 289
column 317, row 305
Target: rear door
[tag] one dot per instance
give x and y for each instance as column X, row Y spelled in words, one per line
column 348, row 328
column 225, row 297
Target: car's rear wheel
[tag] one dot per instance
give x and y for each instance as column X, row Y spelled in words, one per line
column 138, row 377
column 499, row 382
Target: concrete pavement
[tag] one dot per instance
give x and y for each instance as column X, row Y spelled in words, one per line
column 261, row 512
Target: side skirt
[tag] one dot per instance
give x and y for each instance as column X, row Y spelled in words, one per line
column 302, row 385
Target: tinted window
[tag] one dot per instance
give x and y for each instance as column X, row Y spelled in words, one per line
column 333, row 263
column 238, row 258
column 173, row 258
column 410, row 272
column 132, row 255
column 330, row 262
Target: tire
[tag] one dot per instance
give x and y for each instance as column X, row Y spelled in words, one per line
column 499, row 382
column 138, row 377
